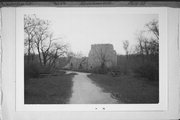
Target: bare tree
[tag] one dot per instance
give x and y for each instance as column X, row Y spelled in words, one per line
column 148, row 49
column 30, row 24
column 58, row 50
column 148, row 40
column 39, row 37
column 43, row 41
column 35, row 30
column 153, row 43
column 141, row 42
column 70, row 55
column 153, row 27
column 126, row 46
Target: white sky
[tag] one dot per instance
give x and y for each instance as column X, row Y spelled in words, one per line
column 83, row 27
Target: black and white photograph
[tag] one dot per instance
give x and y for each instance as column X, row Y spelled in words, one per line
column 91, row 56
column 89, row 60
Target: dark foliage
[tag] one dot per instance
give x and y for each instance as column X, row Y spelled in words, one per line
column 144, row 66
column 100, row 70
column 148, row 70
column 31, row 70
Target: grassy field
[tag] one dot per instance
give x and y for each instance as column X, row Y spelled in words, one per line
column 52, row 89
column 128, row 88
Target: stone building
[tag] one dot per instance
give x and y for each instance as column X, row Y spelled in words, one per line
column 102, row 55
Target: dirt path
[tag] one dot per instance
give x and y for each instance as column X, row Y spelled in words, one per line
column 86, row 92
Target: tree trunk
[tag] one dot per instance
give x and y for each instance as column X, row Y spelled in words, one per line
column 29, row 48
column 39, row 54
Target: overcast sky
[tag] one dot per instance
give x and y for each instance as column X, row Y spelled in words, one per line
column 83, row 27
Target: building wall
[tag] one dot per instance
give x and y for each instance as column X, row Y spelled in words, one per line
column 100, row 53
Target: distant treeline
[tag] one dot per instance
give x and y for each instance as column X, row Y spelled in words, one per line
column 144, row 66
column 44, row 54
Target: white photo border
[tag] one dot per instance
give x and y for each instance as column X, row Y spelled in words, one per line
column 163, row 65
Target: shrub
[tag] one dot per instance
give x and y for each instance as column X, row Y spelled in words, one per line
column 119, row 70
column 31, row 70
column 148, row 70
column 100, row 70
column 46, row 69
